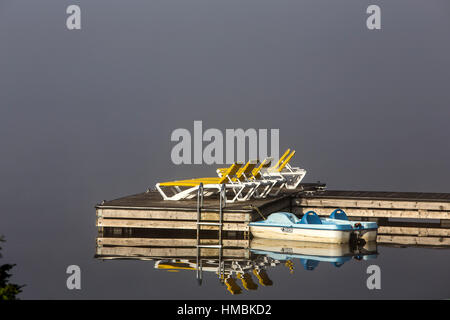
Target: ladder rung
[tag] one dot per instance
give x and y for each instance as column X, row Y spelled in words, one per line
column 218, row 246
column 209, row 223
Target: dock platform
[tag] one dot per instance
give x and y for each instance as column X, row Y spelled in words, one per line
column 149, row 210
column 370, row 204
column 424, row 217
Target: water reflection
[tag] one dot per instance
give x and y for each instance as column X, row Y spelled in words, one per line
column 414, row 233
column 240, row 264
column 244, row 263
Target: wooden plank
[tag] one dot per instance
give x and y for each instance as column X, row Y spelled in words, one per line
column 372, row 204
column 411, row 240
column 282, row 204
column 170, row 215
column 445, row 223
column 163, row 242
column 379, row 213
column 421, row 232
column 162, row 224
column 169, row 252
column 385, row 195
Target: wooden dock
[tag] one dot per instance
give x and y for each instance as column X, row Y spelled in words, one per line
column 405, row 205
column 413, row 234
column 149, row 210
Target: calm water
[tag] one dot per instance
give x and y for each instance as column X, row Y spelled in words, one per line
column 263, row 268
column 129, row 264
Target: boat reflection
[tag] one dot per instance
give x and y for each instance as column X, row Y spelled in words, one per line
column 310, row 254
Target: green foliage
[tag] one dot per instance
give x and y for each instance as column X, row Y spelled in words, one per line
column 8, row 291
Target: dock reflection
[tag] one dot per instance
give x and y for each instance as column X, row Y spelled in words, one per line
column 264, row 254
column 413, row 233
column 241, row 264
column 244, row 264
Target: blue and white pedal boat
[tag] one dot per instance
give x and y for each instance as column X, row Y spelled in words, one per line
column 286, row 226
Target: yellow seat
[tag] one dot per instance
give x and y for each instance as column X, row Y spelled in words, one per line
column 262, row 276
column 245, row 173
column 283, row 161
column 229, row 174
column 188, row 189
column 175, row 266
column 263, row 165
column 279, row 166
column 290, row 177
column 285, row 154
column 232, row 286
column 247, row 281
column 244, row 180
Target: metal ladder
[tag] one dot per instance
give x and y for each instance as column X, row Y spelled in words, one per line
column 222, row 202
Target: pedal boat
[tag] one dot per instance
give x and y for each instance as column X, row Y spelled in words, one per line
column 365, row 230
column 286, row 226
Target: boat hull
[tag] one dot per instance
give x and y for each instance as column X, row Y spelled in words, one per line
column 301, row 234
column 367, row 235
column 301, row 248
column 363, row 229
